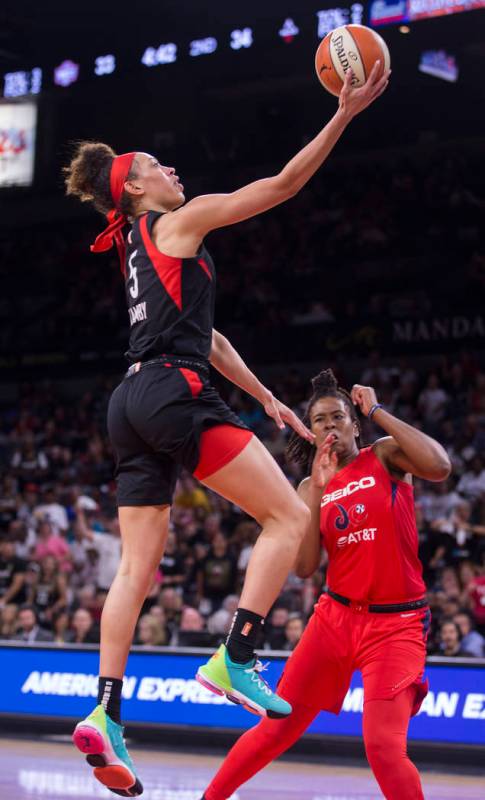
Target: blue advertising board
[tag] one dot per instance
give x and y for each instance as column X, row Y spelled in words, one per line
column 160, row 688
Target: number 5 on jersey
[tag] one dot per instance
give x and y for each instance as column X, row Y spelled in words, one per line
column 133, row 276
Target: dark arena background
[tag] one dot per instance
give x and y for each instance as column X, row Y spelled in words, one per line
column 375, row 269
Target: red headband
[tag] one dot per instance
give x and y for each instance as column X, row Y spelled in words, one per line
column 120, row 169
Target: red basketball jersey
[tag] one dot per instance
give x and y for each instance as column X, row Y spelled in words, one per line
column 368, row 528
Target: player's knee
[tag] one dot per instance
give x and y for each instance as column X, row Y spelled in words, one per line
column 298, row 518
column 381, row 749
column 139, row 575
column 291, row 515
column 375, row 750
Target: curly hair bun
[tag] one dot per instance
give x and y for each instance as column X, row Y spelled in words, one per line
column 87, row 176
column 324, row 381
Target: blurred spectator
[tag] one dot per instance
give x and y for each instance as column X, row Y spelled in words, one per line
column 60, row 626
column 106, row 544
column 9, row 500
column 47, row 592
column 220, row 622
column 51, row 544
column 438, row 499
column 158, row 613
column 86, row 597
column 293, row 631
column 52, row 511
column 216, row 576
column 97, row 603
column 28, row 501
column 28, row 629
column 450, row 639
column 219, row 625
column 172, row 563
column 171, row 602
column 83, row 629
column 275, row 633
column 476, row 594
column 12, row 574
column 432, row 402
column 472, row 643
column 85, row 559
column 275, row 441
column 8, row 620
column 27, row 463
column 461, row 542
column 472, row 483
column 245, row 536
column 23, row 537
column 190, row 495
column 150, row 631
column 192, row 632
column 375, row 374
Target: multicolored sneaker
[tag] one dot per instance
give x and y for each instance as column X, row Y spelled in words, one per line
column 101, row 740
column 242, row 684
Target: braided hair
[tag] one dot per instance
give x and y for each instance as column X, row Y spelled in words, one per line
column 324, row 385
column 88, row 177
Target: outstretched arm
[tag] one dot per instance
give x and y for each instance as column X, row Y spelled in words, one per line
column 207, row 212
column 406, row 449
column 311, row 491
column 226, row 360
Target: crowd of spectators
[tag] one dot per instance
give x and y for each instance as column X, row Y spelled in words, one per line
column 60, row 540
column 370, row 240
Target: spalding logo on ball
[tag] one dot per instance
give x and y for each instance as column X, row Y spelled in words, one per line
column 353, row 47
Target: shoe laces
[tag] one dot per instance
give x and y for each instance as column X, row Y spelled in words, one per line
column 255, row 672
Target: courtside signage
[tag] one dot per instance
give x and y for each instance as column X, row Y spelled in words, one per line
column 161, row 689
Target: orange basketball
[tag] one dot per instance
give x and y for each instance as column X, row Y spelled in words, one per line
column 350, row 46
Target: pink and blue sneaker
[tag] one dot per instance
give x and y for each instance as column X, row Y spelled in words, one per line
column 101, row 741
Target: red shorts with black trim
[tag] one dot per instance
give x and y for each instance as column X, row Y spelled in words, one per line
column 388, row 649
column 163, row 418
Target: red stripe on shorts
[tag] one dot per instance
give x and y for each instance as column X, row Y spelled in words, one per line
column 195, row 383
column 218, row 446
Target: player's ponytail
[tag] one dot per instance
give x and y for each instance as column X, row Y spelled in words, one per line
column 88, row 177
column 88, row 174
column 324, row 385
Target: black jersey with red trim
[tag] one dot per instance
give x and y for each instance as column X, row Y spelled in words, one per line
column 170, row 300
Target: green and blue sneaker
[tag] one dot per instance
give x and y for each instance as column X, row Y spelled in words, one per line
column 242, row 684
column 101, row 740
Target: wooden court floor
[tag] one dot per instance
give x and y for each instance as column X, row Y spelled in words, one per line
column 55, row 771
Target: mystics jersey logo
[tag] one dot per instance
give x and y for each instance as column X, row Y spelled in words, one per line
column 356, row 515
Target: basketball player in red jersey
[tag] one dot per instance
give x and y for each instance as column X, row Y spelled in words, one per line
column 373, row 615
column 165, row 415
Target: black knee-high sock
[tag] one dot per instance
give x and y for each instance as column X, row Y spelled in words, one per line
column 109, row 696
column 244, row 636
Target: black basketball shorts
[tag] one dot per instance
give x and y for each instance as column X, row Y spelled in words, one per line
column 156, row 419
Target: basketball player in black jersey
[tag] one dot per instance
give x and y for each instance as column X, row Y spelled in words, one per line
column 165, row 415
